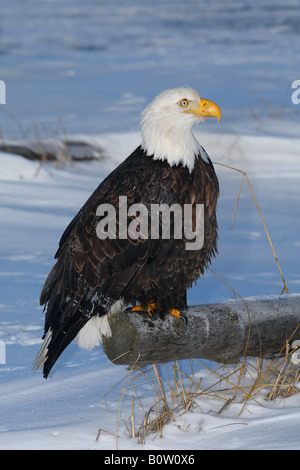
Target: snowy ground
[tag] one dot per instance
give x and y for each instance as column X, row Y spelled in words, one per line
column 91, row 70
column 67, row 410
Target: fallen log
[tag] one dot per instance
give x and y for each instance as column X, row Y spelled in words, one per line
column 61, row 149
column 222, row 332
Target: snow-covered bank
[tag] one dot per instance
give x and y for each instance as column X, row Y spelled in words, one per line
column 66, row 411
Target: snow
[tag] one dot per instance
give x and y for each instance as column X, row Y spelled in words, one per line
column 87, row 72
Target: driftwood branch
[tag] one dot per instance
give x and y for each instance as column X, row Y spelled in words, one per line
column 221, row 332
column 67, row 148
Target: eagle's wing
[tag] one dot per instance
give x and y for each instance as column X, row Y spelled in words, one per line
column 90, row 274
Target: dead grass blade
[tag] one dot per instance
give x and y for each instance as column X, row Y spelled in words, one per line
column 285, row 288
column 119, row 405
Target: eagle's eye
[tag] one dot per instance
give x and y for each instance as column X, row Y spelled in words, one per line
column 183, row 103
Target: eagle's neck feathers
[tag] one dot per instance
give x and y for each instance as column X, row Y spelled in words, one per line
column 175, row 146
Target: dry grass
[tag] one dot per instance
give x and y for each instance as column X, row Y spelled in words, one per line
column 174, row 394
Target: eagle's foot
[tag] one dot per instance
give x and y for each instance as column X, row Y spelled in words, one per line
column 174, row 312
column 151, row 308
column 137, row 308
column 178, row 314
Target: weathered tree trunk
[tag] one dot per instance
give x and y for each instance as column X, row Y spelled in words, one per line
column 219, row 332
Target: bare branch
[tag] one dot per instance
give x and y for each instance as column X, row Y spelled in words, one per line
column 223, row 332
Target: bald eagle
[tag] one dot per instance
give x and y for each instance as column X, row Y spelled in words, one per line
column 94, row 275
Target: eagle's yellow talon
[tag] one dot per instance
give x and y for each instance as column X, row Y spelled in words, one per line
column 137, row 308
column 174, row 312
column 150, row 309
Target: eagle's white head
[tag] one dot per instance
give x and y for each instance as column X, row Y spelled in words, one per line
column 167, row 125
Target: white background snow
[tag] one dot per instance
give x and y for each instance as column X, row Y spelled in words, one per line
column 87, row 69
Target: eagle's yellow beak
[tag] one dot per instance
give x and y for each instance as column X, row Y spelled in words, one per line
column 206, row 109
